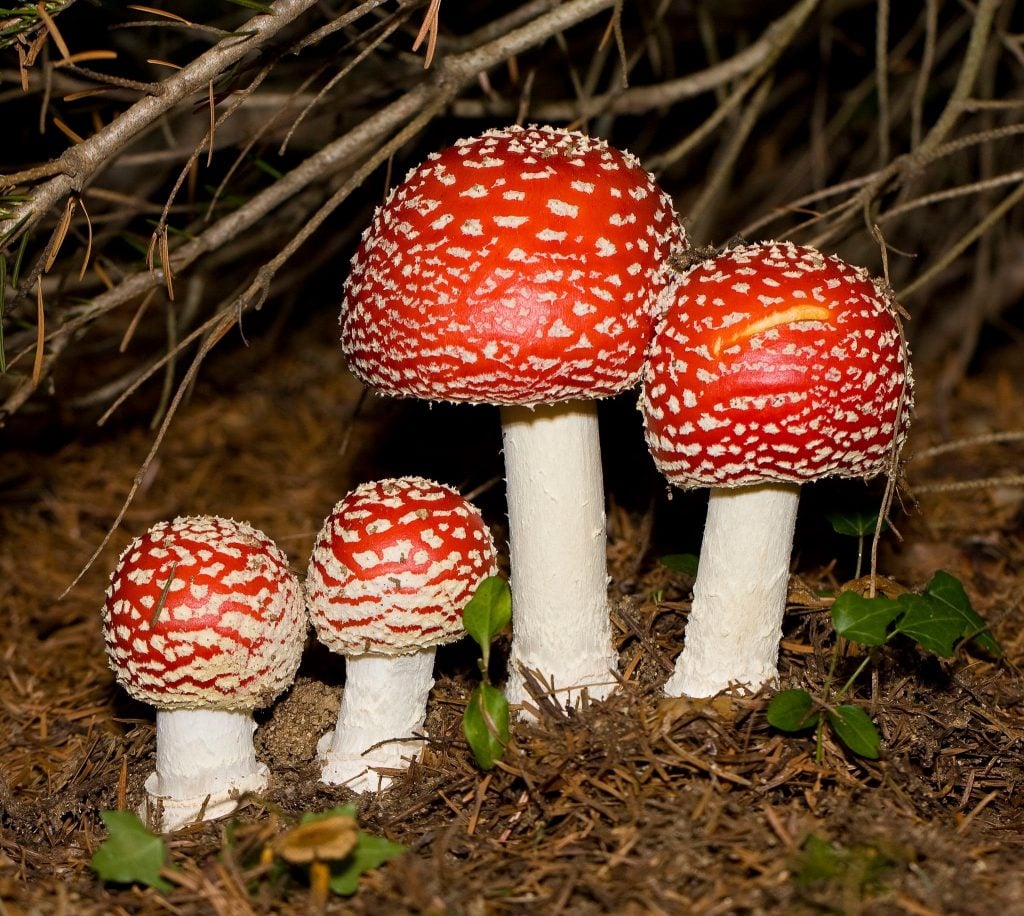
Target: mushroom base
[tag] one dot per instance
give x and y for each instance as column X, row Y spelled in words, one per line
column 739, row 596
column 384, row 701
column 561, row 628
column 205, row 765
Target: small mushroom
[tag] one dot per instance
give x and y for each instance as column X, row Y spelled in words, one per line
column 203, row 620
column 520, row 268
column 772, row 366
column 392, row 568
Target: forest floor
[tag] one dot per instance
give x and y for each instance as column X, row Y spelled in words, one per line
column 635, row 805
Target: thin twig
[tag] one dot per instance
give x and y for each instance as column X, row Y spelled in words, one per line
column 79, row 163
column 964, row 242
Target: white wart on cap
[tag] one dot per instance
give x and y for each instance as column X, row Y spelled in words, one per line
column 203, row 620
column 773, row 365
column 521, row 268
column 394, row 564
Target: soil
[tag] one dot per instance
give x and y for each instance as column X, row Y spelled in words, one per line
column 639, row 804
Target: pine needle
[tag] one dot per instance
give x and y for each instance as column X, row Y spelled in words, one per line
column 429, row 30
column 37, row 365
column 55, row 34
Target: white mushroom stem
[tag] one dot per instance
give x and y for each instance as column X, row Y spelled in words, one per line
column 205, row 762
column 385, row 698
column 739, row 597
column 559, row 571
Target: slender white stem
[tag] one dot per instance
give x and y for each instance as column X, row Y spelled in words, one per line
column 385, row 698
column 739, row 598
column 205, row 761
column 560, row 624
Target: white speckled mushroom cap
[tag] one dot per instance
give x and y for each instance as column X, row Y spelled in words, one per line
column 394, row 565
column 203, row 613
column 774, row 362
column 521, row 266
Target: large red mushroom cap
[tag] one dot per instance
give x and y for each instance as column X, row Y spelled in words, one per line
column 516, row 268
column 394, row 565
column 774, row 362
column 203, row 613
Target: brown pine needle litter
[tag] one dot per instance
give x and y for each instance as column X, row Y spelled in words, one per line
column 639, row 804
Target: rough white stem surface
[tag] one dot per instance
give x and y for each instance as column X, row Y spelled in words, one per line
column 560, row 623
column 205, row 762
column 739, row 597
column 385, row 698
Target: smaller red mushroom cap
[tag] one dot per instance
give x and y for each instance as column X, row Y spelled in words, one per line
column 203, row 613
column 517, row 267
column 774, row 362
column 394, row 565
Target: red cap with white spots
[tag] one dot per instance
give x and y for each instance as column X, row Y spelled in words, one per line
column 394, row 565
column 515, row 268
column 203, row 613
column 774, row 362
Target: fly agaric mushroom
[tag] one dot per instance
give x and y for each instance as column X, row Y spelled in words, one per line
column 772, row 366
column 392, row 568
column 520, row 268
column 203, row 620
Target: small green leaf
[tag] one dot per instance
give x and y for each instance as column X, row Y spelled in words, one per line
column 933, row 624
column 855, row 729
column 819, row 860
column 792, row 711
column 337, row 811
column 485, row 725
column 854, row 524
column 683, row 563
column 864, row 620
column 857, row 867
column 948, row 590
column 130, row 854
column 371, row 852
column 488, row 611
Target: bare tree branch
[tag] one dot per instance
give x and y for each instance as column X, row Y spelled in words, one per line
column 80, row 163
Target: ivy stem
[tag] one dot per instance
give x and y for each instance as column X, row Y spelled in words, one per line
column 845, row 688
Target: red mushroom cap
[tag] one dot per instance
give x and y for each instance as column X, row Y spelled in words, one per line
column 203, row 613
column 774, row 362
column 518, row 267
column 394, row 565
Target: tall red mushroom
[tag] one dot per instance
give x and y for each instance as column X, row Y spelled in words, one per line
column 203, row 620
column 394, row 564
column 773, row 365
column 520, row 268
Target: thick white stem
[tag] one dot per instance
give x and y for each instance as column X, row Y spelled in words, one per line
column 560, row 624
column 739, row 597
column 205, row 762
column 385, row 698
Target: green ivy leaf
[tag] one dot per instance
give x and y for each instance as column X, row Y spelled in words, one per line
column 337, row 811
column 864, row 620
column 948, row 591
column 371, row 852
column 683, row 563
column 855, row 729
column 130, row 854
column 819, row 860
column 933, row 624
column 488, row 611
column 792, row 711
column 485, row 725
column 856, row 866
column 854, row 524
